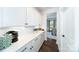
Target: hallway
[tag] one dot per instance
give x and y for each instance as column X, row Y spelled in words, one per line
column 49, row 46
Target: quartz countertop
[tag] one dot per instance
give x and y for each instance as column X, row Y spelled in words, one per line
column 22, row 40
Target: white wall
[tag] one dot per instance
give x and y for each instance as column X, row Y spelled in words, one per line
column 59, row 25
column 44, row 17
column 1, row 17
column 76, row 10
column 20, row 29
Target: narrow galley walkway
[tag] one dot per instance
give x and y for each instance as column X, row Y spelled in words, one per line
column 49, row 46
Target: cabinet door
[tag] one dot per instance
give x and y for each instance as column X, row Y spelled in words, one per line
column 33, row 16
column 14, row 16
column 34, row 45
column 26, row 48
column 42, row 38
column 29, row 47
column 30, row 16
column 38, row 42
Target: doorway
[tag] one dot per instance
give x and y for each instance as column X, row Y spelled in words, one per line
column 51, row 26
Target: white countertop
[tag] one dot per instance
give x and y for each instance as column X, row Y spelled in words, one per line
column 22, row 40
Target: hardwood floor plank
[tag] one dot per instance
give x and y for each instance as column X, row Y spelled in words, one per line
column 49, row 46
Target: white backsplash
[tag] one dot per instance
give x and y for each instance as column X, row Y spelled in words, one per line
column 21, row 30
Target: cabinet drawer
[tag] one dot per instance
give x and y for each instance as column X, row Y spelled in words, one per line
column 34, row 45
column 26, row 48
column 22, row 49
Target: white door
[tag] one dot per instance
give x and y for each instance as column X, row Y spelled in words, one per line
column 68, row 32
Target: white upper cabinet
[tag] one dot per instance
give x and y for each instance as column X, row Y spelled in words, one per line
column 33, row 16
column 14, row 16
column 1, row 17
column 17, row 16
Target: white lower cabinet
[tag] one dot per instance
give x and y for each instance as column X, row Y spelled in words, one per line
column 38, row 42
column 34, row 45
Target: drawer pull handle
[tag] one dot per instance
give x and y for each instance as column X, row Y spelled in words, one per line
column 23, row 50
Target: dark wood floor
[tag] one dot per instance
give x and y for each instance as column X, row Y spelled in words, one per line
column 49, row 46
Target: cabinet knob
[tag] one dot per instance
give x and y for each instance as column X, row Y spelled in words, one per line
column 26, row 23
column 31, row 47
